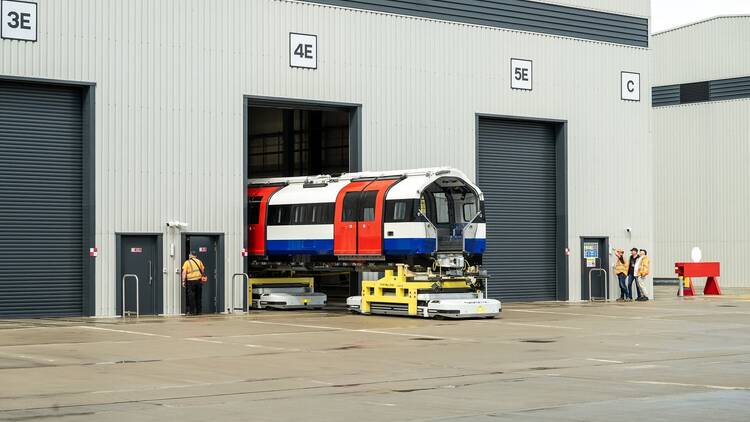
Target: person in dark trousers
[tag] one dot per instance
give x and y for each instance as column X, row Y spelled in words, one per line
column 632, row 276
column 193, row 277
column 621, row 270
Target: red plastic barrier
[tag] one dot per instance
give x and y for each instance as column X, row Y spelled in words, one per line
column 710, row 270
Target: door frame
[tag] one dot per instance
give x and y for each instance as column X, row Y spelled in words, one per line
column 88, row 158
column 355, row 138
column 604, row 264
column 159, row 273
column 220, row 273
column 561, row 163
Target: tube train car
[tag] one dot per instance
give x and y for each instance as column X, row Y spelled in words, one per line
column 423, row 217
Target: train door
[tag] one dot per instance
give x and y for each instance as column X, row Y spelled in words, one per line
column 257, row 208
column 371, row 204
column 346, row 219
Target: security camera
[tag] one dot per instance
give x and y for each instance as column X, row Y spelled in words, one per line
column 176, row 224
column 628, row 229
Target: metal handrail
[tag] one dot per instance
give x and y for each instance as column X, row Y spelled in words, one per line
column 434, row 227
column 467, row 226
column 137, row 296
column 233, row 308
column 606, row 283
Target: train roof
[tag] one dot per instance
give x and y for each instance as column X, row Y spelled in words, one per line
column 324, row 188
column 310, row 193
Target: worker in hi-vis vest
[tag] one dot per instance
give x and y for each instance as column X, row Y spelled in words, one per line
column 193, row 278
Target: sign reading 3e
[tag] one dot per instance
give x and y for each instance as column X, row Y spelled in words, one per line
column 630, row 86
column 303, row 50
column 18, row 20
column 521, row 74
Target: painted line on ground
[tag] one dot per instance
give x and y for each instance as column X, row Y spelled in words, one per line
column 280, row 349
column 351, row 330
column 681, row 384
column 122, row 331
column 27, row 357
column 543, row 326
column 203, row 340
column 605, row 360
column 571, row 314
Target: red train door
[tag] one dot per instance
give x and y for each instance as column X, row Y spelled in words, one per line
column 346, row 219
column 372, row 207
column 257, row 210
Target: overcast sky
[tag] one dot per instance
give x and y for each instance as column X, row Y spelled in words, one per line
column 667, row 14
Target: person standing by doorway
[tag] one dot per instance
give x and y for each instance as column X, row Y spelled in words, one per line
column 632, row 277
column 621, row 270
column 193, row 277
column 643, row 269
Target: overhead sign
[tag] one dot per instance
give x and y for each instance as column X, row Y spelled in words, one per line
column 18, row 20
column 630, row 86
column 303, row 50
column 521, row 76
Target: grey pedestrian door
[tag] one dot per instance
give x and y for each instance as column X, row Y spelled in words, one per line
column 42, row 200
column 139, row 255
column 594, row 259
column 206, row 248
column 516, row 171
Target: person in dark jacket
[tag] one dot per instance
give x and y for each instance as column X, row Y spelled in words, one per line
column 632, row 276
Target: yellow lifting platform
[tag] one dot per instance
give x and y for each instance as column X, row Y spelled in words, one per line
column 402, row 292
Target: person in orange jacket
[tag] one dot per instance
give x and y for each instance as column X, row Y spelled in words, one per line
column 621, row 271
column 643, row 269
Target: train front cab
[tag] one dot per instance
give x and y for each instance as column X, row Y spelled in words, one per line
column 443, row 215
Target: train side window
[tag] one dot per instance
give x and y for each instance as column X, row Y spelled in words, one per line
column 399, row 211
column 368, row 205
column 254, row 209
column 298, row 214
column 351, row 200
column 320, row 214
column 278, row 215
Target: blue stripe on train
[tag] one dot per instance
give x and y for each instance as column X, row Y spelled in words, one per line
column 409, row 246
column 475, row 246
column 305, row 247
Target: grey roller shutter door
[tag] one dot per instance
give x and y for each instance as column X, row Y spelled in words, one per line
column 41, row 200
column 516, row 171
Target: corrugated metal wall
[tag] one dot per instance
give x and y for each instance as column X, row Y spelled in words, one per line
column 703, row 194
column 171, row 76
column 702, row 150
column 716, row 49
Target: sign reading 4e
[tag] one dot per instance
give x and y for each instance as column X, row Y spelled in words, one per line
column 303, row 50
column 521, row 76
column 18, row 20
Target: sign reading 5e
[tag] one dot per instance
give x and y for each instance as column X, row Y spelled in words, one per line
column 18, row 20
column 521, row 76
column 303, row 50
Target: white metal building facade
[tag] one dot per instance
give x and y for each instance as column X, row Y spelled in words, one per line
column 701, row 143
column 168, row 84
